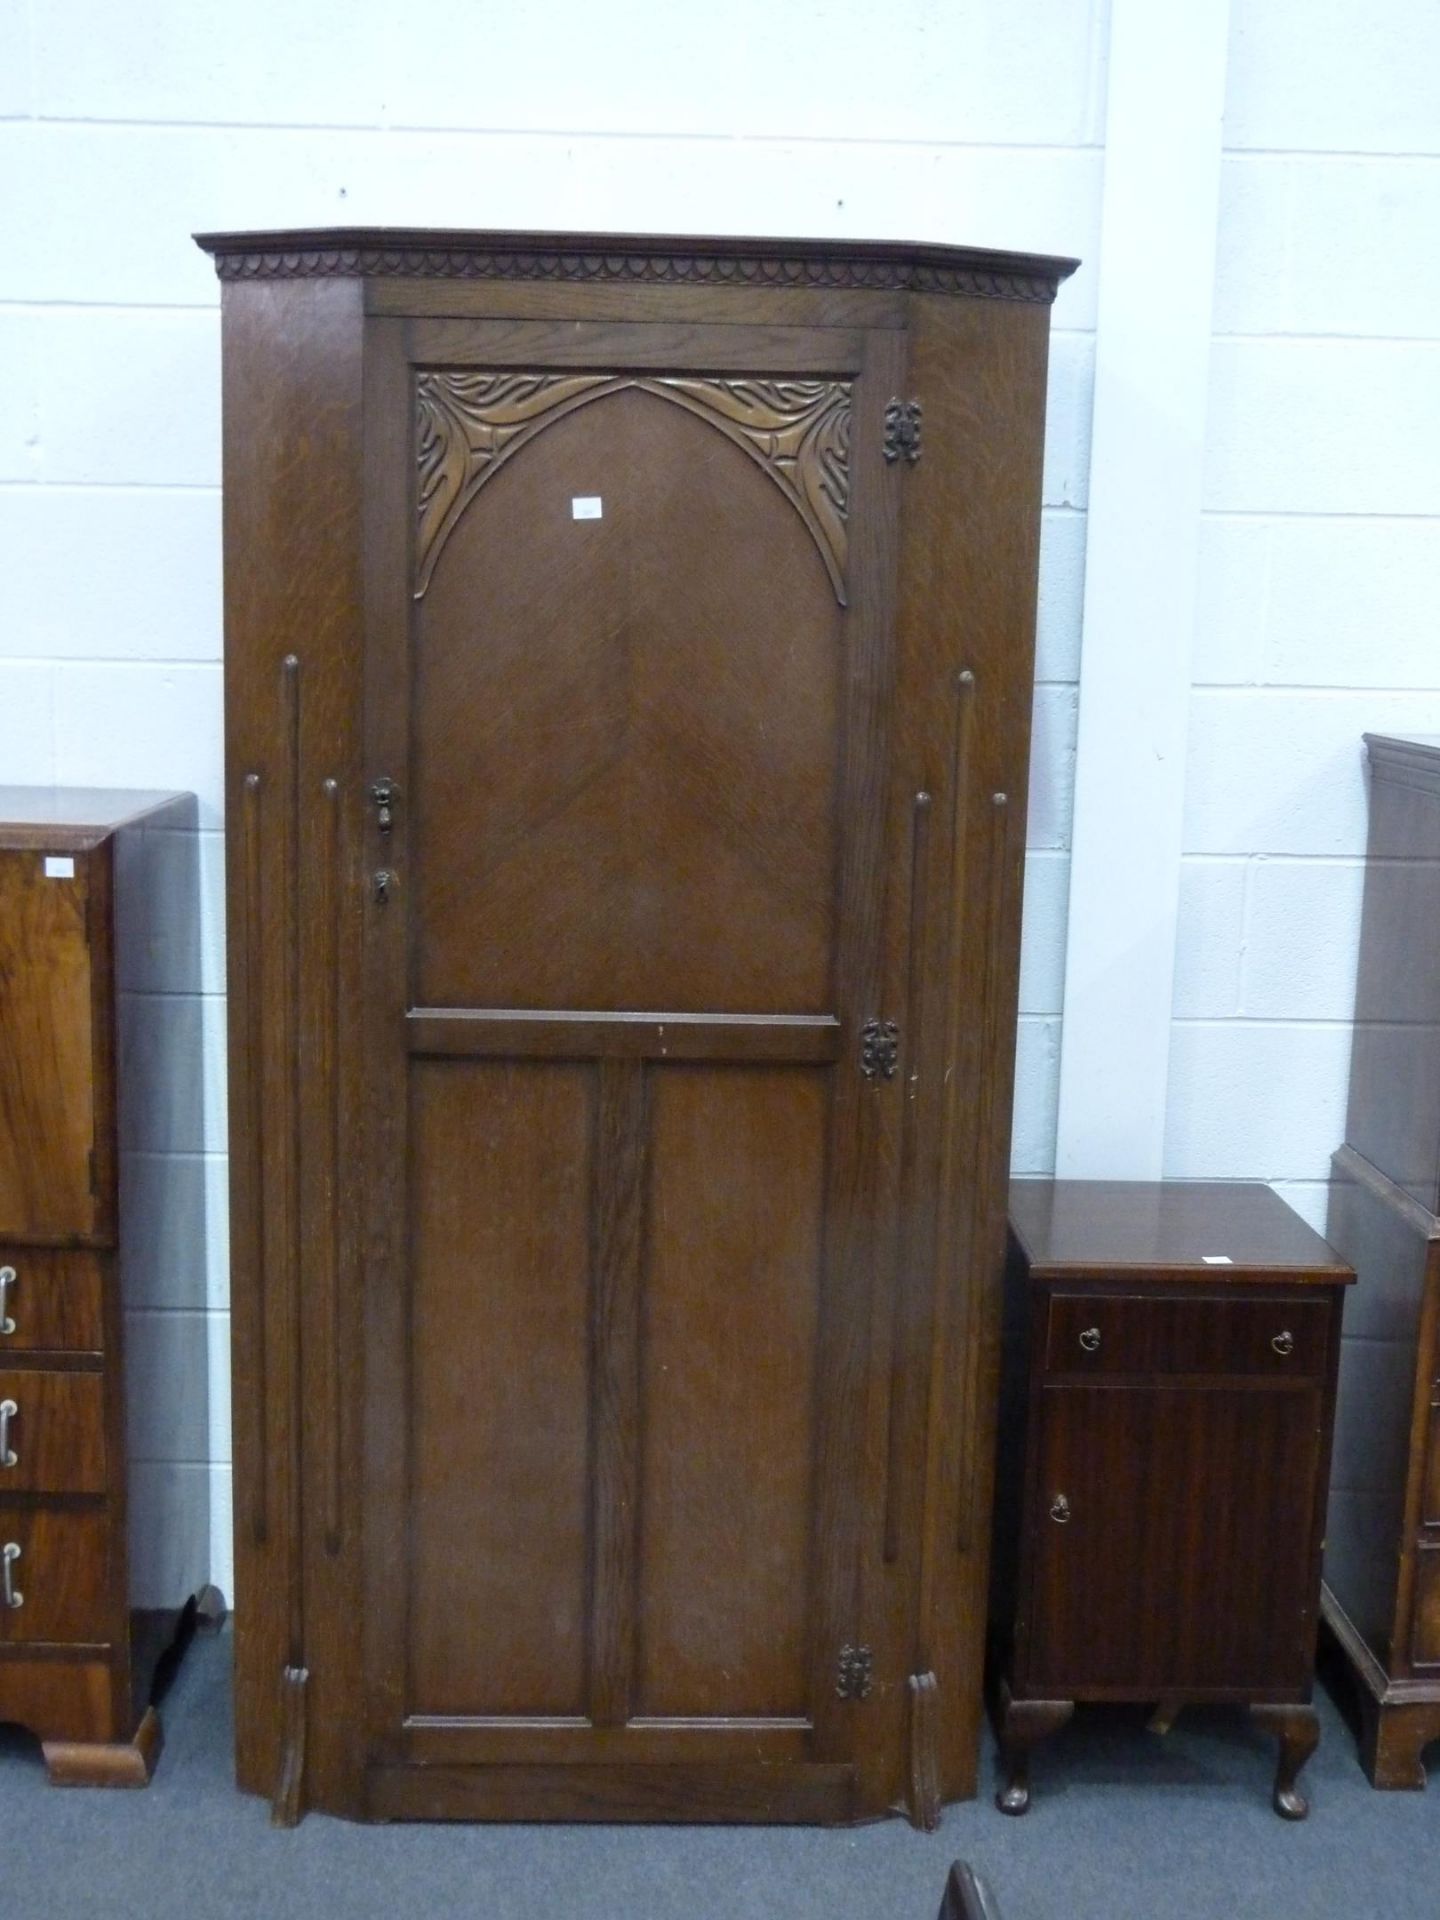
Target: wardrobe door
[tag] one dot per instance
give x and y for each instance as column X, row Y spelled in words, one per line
column 629, row 615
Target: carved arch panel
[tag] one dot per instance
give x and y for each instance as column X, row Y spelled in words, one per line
column 469, row 424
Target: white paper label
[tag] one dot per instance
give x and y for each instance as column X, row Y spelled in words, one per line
column 1217, row 1259
column 59, row 866
column 585, row 506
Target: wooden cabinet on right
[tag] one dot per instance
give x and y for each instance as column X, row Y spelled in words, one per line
column 1382, row 1564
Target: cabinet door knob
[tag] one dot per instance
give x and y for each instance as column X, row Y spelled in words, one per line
column 1059, row 1509
column 1090, row 1339
column 13, row 1595
column 7, row 1280
column 1284, row 1342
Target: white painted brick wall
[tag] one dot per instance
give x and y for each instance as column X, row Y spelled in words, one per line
column 123, row 130
column 1319, row 556
column 1338, row 76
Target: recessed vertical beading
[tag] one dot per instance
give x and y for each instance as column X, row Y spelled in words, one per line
column 251, row 800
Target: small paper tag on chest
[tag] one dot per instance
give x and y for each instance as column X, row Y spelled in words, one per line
column 586, row 506
column 59, row 866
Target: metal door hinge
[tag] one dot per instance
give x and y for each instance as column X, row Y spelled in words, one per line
column 383, row 792
column 902, row 430
column 853, row 1671
column 879, row 1049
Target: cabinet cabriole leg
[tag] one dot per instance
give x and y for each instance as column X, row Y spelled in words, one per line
column 1297, row 1728
column 1021, row 1725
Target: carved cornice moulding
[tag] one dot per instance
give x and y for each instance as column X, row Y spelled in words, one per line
column 469, row 424
column 875, row 266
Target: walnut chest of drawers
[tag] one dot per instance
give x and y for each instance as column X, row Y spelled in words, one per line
column 78, row 925
column 1381, row 1598
column 1183, row 1339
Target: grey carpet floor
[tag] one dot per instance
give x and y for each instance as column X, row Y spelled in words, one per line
column 1123, row 1824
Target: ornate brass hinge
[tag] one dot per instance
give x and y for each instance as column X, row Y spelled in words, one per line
column 879, row 1049
column 852, row 1672
column 902, row 430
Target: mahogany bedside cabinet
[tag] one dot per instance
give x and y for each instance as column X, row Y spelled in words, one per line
column 1183, row 1341
column 97, row 919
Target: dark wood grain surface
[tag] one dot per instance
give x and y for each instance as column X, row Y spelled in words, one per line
column 47, row 1089
column 596, row 1455
column 54, row 1301
column 63, row 1572
column 1184, row 1567
column 1070, row 1228
column 56, row 1434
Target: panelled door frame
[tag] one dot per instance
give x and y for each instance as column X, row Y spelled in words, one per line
column 860, row 1170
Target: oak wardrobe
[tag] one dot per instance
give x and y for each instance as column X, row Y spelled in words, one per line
column 628, row 678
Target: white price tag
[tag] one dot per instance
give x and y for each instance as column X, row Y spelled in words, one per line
column 586, row 506
column 59, row 866
column 1217, row 1259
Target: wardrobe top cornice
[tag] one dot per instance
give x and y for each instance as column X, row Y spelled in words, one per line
column 644, row 259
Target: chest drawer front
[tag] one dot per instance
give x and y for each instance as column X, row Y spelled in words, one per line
column 52, row 1432
column 1140, row 1333
column 56, row 1566
column 50, row 1302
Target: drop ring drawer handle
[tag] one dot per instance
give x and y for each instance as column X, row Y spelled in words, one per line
column 7, row 1280
column 8, row 1455
column 1283, row 1343
column 1090, row 1339
column 1060, row 1510
column 13, row 1595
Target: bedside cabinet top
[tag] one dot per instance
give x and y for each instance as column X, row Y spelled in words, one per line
column 75, row 818
column 1217, row 1232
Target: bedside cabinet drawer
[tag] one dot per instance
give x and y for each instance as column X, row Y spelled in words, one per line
column 54, row 1576
column 52, row 1432
column 50, row 1302
column 1135, row 1333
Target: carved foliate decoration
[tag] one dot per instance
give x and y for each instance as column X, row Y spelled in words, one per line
column 469, row 424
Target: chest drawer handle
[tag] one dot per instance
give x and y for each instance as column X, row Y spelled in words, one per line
column 1060, row 1510
column 8, row 1455
column 1090, row 1339
column 13, row 1595
column 7, row 1280
column 1283, row 1343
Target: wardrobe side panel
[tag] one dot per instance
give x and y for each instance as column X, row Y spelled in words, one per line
column 292, row 517
column 969, row 562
